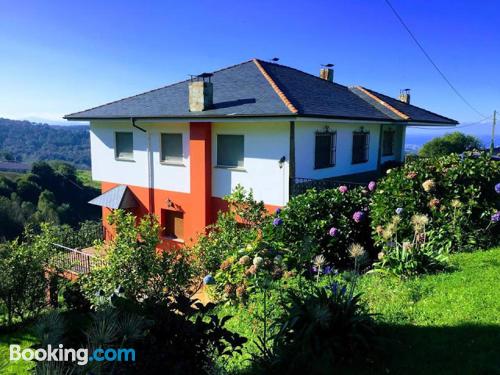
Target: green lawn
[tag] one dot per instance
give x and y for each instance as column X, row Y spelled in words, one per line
column 447, row 323
column 21, row 337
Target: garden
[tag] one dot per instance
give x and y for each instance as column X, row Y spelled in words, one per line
column 398, row 276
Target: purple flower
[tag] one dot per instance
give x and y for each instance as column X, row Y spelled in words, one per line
column 333, row 232
column 497, row 188
column 328, row 270
column 495, row 218
column 358, row 216
column 208, row 280
column 399, row 211
column 277, row 221
column 314, row 269
column 372, row 185
column 334, row 287
column 278, row 211
column 343, row 189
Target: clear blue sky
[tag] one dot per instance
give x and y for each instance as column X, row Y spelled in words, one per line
column 58, row 57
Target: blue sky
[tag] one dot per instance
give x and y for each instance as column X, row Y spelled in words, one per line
column 58, row 57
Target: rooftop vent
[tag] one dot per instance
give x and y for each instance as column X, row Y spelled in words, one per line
column 201, row 92
column 326, row 72
column 404, row 96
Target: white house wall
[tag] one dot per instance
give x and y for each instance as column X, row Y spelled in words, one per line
column 105, row 167
column 264, row 145
column 305, row 144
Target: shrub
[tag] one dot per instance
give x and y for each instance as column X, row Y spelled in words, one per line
column 455, row 142
column 133, row 262
column 456, row 193
column 23, row 283
column 173, row 333
column 409, row 257
column 330, row 221
column 319, row 330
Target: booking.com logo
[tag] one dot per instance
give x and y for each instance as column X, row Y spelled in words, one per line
column 80, row 356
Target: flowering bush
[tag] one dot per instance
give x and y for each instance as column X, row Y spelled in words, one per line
column 408, row 257
column 458, row 195
column 327, row 222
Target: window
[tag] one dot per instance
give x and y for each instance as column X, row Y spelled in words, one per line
column 230, row 150
column 325, row 149
column 388, row 143
column 172, row 223
column 171, row 148
column 360, row 146
column 124, row 145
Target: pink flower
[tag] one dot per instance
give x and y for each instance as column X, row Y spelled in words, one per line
column 343, row 189
column 358, row 216
column 333, row 232
column 372, row 185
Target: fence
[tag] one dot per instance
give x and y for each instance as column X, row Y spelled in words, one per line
column 74, row 260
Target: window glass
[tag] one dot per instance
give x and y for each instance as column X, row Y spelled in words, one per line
column 388, row 143
column 324, row 151
column 230, row 150
column 360, row 147
column 171, row 147
column 124, row 145
column 172, row 223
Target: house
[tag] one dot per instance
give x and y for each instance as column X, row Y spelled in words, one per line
column 178, row 150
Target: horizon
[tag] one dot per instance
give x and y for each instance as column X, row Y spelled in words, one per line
column 55, row 67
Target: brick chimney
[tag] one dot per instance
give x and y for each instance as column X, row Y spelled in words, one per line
column 404, row 96
column 201, row 93
column 326, row 72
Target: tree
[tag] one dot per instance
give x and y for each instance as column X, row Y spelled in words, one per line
column 455, row 142
column 22, row 279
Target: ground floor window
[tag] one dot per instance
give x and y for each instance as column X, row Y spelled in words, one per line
column 325, row 149
column 172, row 223
column 388, row 142
column 360, row 146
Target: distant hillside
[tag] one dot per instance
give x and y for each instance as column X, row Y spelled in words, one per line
column 28, row 142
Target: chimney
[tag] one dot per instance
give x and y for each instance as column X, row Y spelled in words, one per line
column 201, row 93
column 326, row 72
column 404, row 96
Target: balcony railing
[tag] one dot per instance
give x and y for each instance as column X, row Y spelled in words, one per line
column 74, row 260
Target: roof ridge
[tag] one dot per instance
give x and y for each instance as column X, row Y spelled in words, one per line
column 413, row 105
column 307, row 73
column 365, row 91
column 275, row 87
column 153, row 90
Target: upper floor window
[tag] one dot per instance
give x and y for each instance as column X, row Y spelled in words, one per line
column 325, row 149
column 230, row 150
column 360, row 146
column 171, row 148
column 388, row 143
column 124, row 145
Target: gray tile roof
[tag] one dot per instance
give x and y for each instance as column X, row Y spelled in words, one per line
column 244, row 90
column 118, row 197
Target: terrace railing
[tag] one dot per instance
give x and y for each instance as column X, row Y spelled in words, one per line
column 74, row 260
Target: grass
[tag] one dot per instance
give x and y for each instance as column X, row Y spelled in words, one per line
column 85, row 178
column 448, row 323
column 25, row 339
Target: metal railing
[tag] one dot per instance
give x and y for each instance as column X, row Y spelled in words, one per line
column 299, row 185
column 75, row 261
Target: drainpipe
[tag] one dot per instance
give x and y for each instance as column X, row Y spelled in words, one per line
column 149, row 167
column 379, row 157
